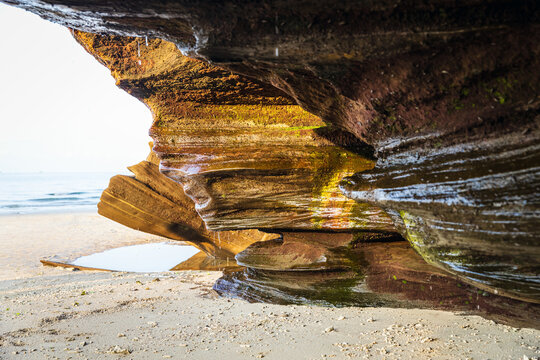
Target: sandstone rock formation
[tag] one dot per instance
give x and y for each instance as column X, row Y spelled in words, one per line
column 244, row 154
column 307, row 251
column 152, row 203
column 444, row 94
column 372, row 274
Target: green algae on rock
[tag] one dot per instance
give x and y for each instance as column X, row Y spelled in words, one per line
column 387, row 274
column 472, row 209
column 246, row 156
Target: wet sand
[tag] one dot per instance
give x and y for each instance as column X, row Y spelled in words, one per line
column 55, row 313
column 26, row 239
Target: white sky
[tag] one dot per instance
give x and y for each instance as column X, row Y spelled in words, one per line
column 59, row 108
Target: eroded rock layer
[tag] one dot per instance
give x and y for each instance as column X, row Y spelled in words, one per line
column 152, row 203
column 388, row 274
column 447, row 93
column 473, row 208
column 242, row 151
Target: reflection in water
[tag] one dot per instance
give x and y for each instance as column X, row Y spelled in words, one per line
column 138, row 258
column 147, row 258
column 201, row 261
column 388, row 274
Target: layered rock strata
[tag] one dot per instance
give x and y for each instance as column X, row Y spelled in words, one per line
column 365, row 274
column 473, row 208
column 446, row 93
column 241, row 150
column 150, row 202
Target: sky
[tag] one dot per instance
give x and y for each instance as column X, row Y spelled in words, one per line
column 60, row 110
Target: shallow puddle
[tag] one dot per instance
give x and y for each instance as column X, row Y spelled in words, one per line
column 153, row 257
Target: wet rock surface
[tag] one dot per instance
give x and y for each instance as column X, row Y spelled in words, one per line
column 382, row 274
column 473, row 209
column 444, row 94
column 152, row 203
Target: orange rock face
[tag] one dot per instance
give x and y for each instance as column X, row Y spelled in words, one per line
column 152, row 203
column 445, row 94
column 245, row 155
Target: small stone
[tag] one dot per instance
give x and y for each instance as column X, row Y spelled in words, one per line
column 118, row 350
column 329, row 329
column 121, row 335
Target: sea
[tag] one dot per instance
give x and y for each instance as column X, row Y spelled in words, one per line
column 28, row 193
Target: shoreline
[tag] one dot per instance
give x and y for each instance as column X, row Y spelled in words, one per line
column 92, row 209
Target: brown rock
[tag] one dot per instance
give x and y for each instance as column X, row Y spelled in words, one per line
column 152, row 203
column 241, row 150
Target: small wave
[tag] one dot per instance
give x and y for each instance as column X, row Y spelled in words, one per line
column 69, row 193
column 11, row 206
column 56, row 199
column 29, row 193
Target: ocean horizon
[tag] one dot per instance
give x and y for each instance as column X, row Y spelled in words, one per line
column 44, row 192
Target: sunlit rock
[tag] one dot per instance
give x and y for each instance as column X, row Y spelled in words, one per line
column 241, row 150
column 150, row 202
column 438, row 89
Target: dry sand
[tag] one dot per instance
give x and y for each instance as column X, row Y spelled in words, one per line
column 52, row 313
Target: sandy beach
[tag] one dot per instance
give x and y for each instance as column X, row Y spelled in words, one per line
column 26, row 239
column 55, row 313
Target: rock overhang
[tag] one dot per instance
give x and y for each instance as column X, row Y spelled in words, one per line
column 421, row 83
